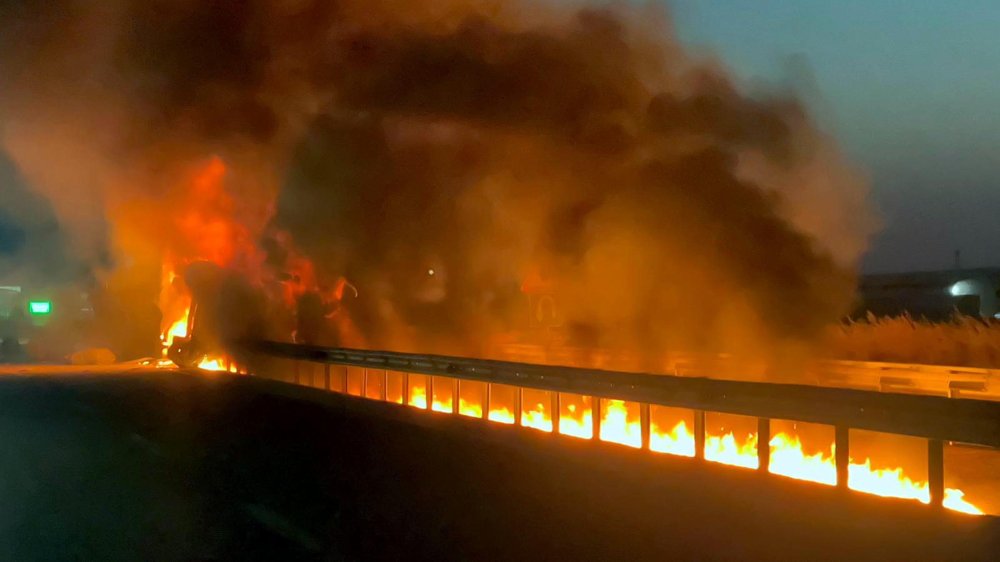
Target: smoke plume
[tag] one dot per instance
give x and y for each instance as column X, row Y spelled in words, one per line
column 451, row 162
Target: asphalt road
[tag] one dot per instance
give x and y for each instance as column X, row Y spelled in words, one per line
column 183, row 466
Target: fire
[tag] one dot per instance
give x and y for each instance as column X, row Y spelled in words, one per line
column 678, row 441
column 501, row 415
column 468, row 409
column 537, row 418
column 418, row 397
column 788, row 458
column 210, row 224
column 212, row 364
column 617, row 427
column 726, row 450
column 577, row 425
column 441, row 406
column 177, row 329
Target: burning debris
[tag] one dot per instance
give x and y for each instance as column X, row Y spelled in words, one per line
column 387, row 175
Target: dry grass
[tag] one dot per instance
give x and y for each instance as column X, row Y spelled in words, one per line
column 963, row 341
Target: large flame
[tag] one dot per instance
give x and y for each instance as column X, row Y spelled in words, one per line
column 205, row 228
column 620, row 424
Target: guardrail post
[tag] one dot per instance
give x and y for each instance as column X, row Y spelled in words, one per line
column 644, row 428
column 595, row 410
column 454, row 396
column 487, row 397
column 385, row 384
column 699, row 434
column 518, row 398
column 935, row 471
column 430, row 393
column 364, row 382
column 556, row 411
column 842, row 453
column 763, row 443
column 343, row 379
column 326, row 376
column 406, row 388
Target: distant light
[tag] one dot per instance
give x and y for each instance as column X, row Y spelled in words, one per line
column 962, row 288
column 430, row 272
column 40, row 308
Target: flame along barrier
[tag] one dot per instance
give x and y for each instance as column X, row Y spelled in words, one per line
column 652, row 427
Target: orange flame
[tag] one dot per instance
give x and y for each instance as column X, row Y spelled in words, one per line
column 205, row 227
column 620, row 424
column 578, row 423
column 468, row 409
column 212, row 364
column 501, row 415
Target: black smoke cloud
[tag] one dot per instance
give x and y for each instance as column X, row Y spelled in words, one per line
column 488, row 152
column 488, row 142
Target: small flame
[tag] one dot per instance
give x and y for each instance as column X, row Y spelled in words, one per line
column 178, row 329
column 579, row 422
column 501, row 415
column 726, row 450
column 467, row 409
column 789, row 459
column 616, row 427
column 418, row 397
column 212, row 364
column 441, row 406
column 678, row 441
column 536, row 418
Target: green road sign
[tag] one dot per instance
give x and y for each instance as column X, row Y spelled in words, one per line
column 40, row 308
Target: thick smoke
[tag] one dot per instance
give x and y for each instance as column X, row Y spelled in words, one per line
column 442, row 157
column 33, row 249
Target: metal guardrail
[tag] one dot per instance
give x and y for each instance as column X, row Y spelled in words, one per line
column 903, row 378
column 937, row 380
column 934, row 418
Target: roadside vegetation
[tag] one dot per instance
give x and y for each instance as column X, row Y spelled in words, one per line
column 962, row 341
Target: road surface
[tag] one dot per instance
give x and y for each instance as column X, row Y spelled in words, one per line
column 146, row 465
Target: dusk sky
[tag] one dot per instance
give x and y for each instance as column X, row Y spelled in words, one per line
column 910, row 88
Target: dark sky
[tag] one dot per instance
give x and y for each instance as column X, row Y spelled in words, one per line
column 910, row 88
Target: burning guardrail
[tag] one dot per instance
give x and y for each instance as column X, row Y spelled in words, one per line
column 834, row 437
